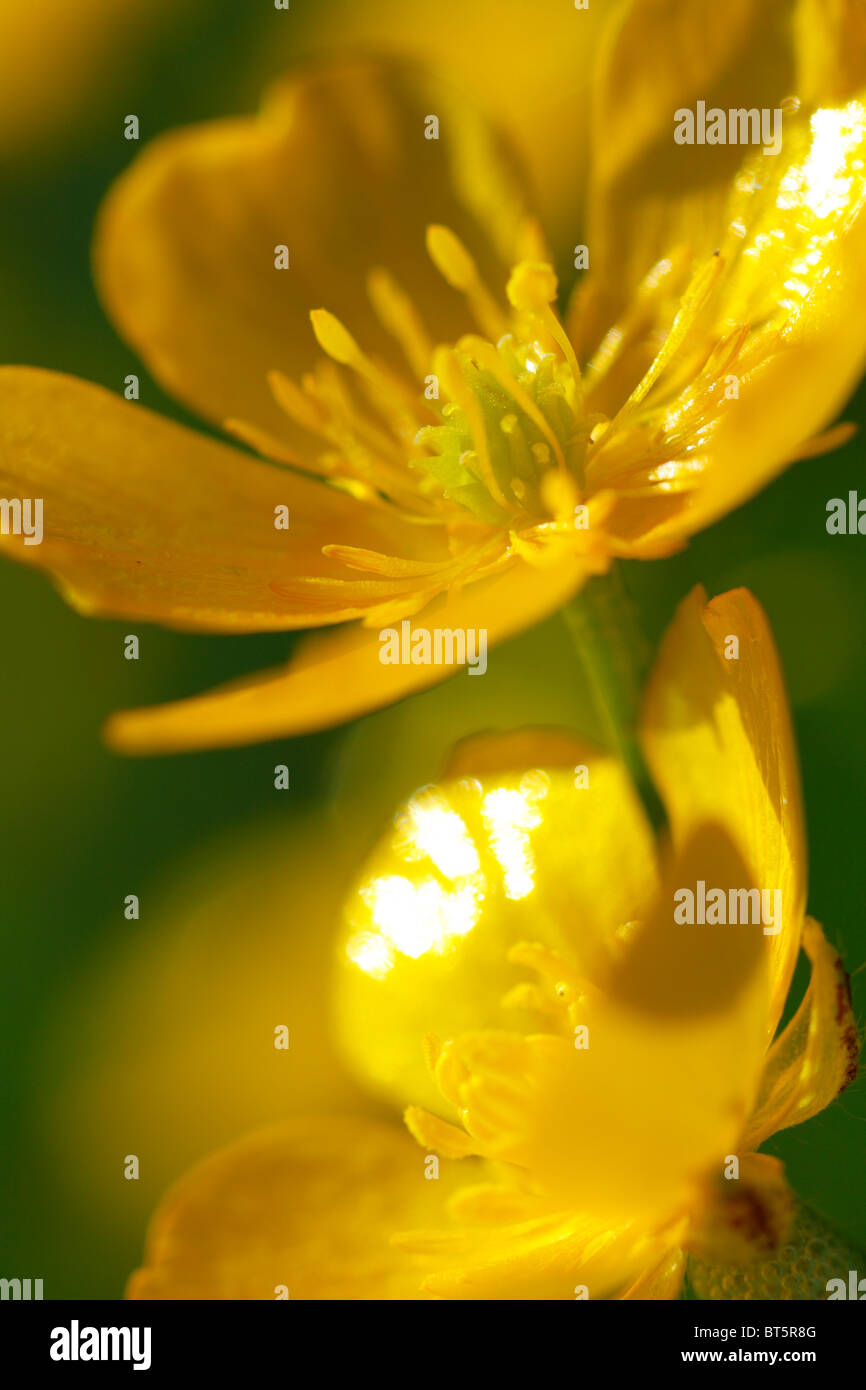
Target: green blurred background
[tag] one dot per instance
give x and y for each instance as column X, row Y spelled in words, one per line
column 136, row 1037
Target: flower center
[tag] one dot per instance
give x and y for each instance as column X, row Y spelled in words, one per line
column 498, row 427
column 513, row 435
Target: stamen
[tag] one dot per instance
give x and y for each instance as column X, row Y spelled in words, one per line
column 457, row 267
column 489, row 357
column 433, row 1133
column 398, row 315
column 447, row 367
column 266, row 444
column 387, row 392
column 694, row 301
column 328, row 388
column 296, row 403
column 335, row 340
column 533, row 288
column 386, row 566
column 324, row 409
column 510, row 408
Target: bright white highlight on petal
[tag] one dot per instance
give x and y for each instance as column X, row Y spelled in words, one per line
column 416, row 918
column 430, row 828
column 509, row 817
column 371, row 953
column 823, row 181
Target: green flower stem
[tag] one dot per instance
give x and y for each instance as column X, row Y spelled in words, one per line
column 615, row 656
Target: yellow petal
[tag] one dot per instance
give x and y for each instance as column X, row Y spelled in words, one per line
column 542, row 100
column 796, row 248
column 338, row 676
column 143, row 518
column 624, row 1122
column 307, row 1208
column 647, row 193
column 337, row 169
column 718, row 740
column 761, row 364
column 816, row 1056
column 470, row 870
column 516, row 750
column 831, row 49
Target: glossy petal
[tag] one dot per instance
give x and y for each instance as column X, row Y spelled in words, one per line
column 337, row 169
column 795, row 254
column 623, row 1122
column 470, row 870
column 337, row 677
column 542, row 100
column 816, row 1056
column 647, row 193
column 143, row 518
column 718, row 740
column 831, row 50
column 309, row 1206
column 755, row 290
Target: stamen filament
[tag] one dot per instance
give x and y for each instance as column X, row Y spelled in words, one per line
column 398, row 315
column 459, row 270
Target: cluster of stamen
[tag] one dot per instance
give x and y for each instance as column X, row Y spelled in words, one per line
column 500, row 437
column 495, row 427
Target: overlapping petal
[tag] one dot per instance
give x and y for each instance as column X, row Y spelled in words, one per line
column 303, row 1211
column 337, row 169
column 558, row 853
column 144, row 518
column 339, row 676
column 830, row 37
column 623, row 1126
column 816, row 1056
column 794, row 246
column 746, row 266
column 649, row 195
column 718, row 740
column 606, row 1096
column 542, row 100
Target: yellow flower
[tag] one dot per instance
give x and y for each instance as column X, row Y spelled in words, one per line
column 602, row 1073
column 460, row 456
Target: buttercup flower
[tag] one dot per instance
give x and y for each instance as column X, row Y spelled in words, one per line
column 594, row 1073
column 460, row 456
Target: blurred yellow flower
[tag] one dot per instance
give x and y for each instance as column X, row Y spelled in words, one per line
column 167, row 1046
column 459, row 458
column 605, row 1113
column 57, row 59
